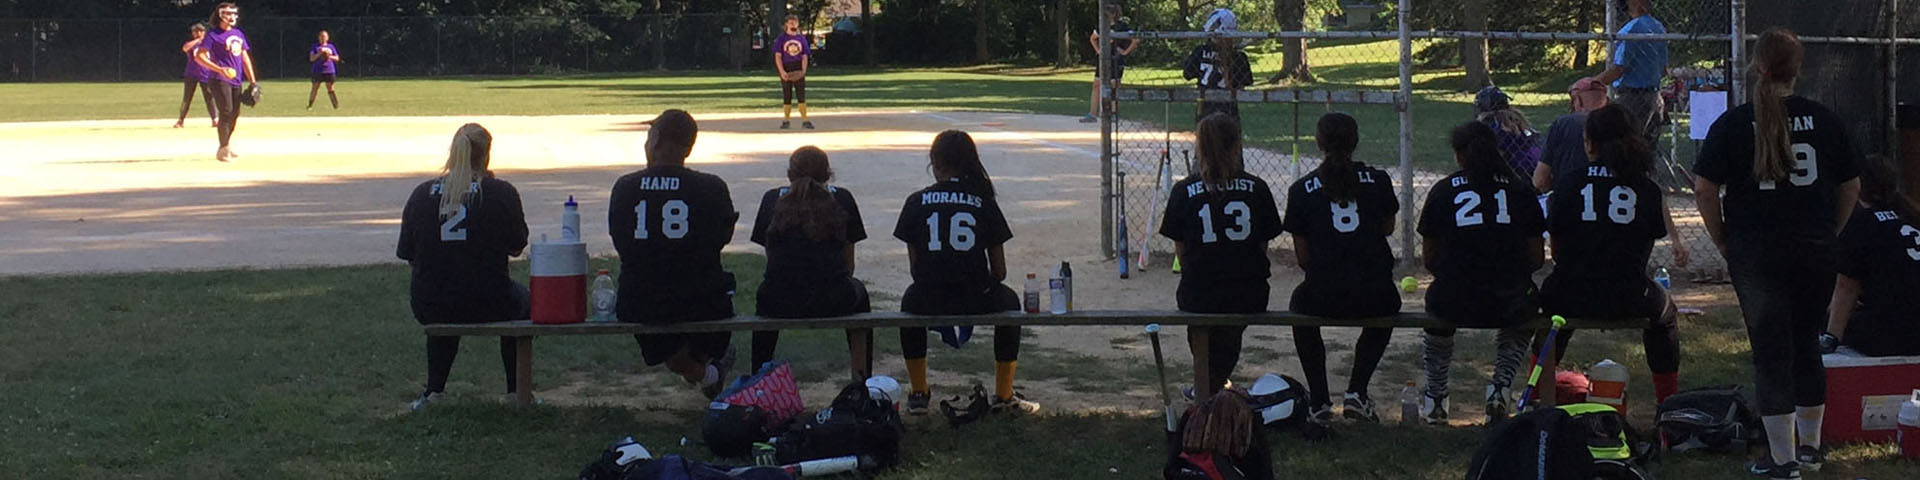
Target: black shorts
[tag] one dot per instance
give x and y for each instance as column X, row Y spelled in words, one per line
column 323, row 78
column 1575, row 298
column 508, row 301
column 826, row 299
column 1117, row 71
column 1327, row 301
column 669, row 308
column 947, row 300
column 1233, row 296
column 1477, row 306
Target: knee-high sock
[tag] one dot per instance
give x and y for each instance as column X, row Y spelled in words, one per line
column 1510, row 350
column 1313, row 363
column 803, row 111
column 1003, row 378
column 1779, row 437
column 1807, row 422
column 1437, row 352
column 1367, row 353
column 917, row 375
column 786, row 111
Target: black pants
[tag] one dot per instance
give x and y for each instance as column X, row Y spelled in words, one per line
column 766, row 341
column 186, row 100
column 226, row 99
column 1223, row 341
column 1367, row 352
column 1784, row 289
column 441, row 350
column 997, row 298
column 793, row 90
column 1581, row 299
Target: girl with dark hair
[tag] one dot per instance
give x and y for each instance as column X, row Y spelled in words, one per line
column 808, row 228
column 457, row 232
column 1874, row 307
column 1790, row 180
column 1220, row 220
column 1480, row 236
column 956, row 240
column 224, row 53
column 323, row 56
column 1603, row 221
column 196, row 77
column 1340, row 216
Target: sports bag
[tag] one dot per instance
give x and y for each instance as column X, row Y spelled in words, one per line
column 751, row 411
column 1715, row 419
column 855, row 424
column 1203, row 462
column 1578, row 441
column 627, row 460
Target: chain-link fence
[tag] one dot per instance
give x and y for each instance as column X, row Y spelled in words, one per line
column 149, row 48
column 1297, row 76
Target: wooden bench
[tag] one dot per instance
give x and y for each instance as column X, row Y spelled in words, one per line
column 523, row 331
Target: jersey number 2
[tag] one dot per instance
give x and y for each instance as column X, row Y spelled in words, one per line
column 453, row 229
column 1242, row 222
column 673, row 219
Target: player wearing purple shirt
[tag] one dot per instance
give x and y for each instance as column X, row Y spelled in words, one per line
column 194, row 77
column 791, row 51
column 323, row 56
column 224, row 53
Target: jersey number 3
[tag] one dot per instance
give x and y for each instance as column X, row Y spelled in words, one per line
column 1909, row 231
column 673, row 219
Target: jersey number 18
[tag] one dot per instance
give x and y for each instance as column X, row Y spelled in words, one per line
column 673, row 219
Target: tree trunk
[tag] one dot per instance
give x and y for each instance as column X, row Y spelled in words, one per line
column 980, row 17
column 1582, row 22
column 1063, row 34
column 866, row 30
column 1293, row 52
column 659, row 36
column 1473, row 51
column 776, row 19
column 1186, row 10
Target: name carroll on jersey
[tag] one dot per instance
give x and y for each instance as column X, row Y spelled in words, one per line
column 960, row 198
column 1313, row 184
column 1235, row 185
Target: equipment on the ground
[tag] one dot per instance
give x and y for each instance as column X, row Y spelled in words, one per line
column 1280, row 400
column 1160, row 365
column 1540, row 360
column 1577, row 441
column 1719, row 419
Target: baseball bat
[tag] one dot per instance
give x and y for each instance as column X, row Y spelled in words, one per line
column 1121, row 226
column 1160, row 365
column 1540, row 359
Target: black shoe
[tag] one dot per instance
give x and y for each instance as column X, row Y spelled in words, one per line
column 806, row 125
column 918, row 402
column 1810, row 458
column 1765, row 468
column 786, row 125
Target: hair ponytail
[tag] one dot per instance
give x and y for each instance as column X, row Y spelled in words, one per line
column 1617, row 142
column 1217, row 141
column 954, row 153
column 1776, row 57
column 1338, row 134
column 467, row 160
column 808, row 208
column 1479, row 151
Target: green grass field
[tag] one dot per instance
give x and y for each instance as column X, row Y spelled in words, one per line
column 302, row 373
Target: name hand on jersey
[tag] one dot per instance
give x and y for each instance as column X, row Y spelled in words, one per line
column 1599, row 171
column 929, row 198
column 660, row 183
column 1235, row 185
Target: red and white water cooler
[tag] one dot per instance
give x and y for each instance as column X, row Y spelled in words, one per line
column 559, row 282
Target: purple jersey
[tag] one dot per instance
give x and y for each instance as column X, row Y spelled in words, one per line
column 224, row 48
column 324, row 66
column 792, row 48
column 194, row 71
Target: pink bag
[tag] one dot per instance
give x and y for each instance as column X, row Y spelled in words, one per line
column 772, row 390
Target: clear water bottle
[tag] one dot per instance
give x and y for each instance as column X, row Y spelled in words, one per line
column 1409, row 403
column 1057, row 294
column 570, row 221
column 605, row 297
column 1665, row 280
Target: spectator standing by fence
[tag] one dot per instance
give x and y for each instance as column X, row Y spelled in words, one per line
column 1637, row 67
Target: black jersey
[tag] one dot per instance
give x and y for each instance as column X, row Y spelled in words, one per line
column 949, row 226
column 1213, row 68
column 1225, row 231
column 1483, row 227
column 1882, row 250
column 460, row 260
column 792, row 258
column 669, row 223
column 1800, row 208
column 1346, row 241
column 1604, row 225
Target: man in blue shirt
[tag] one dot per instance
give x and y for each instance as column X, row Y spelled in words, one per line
column 1637, row 67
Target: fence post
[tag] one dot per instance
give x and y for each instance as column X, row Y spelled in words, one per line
column 1405, row 104
column 1892, row 149
column 1737, row 67
column 1106, row 135
column 119, row 49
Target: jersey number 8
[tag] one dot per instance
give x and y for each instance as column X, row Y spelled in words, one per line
column 1346, row 216
column 673, row 219
column 1242, row 222
column 959, row 232
column 1620, row 203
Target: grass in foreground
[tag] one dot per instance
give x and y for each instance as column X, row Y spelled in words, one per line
column 302, row 373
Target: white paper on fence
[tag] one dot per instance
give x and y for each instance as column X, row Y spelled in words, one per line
column 1703, row 109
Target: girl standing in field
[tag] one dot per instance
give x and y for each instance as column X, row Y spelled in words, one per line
column 457, row 232
column 195, row 77
column 1340, row 216
column 323, row 57
column 1220, row 220
column 224, row 53
column 809, row 228
column 956, row 240
column 790, row 57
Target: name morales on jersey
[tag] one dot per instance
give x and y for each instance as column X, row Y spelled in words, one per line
column 929, row 198
column 1235, row 185
column 660, row 183
column 1314, row 184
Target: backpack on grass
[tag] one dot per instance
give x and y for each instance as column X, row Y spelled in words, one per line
column 857, row 424
column 1578, row 441
column 1715, row 419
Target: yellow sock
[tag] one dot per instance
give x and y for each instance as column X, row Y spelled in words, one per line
column 917, row 375
column 803, row 111
column 1003, row 378
column 786, row 111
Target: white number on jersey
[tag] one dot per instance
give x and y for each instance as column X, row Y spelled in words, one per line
column 1620, row 204
column 1470, row 201
column 673, row 219
column 959, row 232
column 1806, row 168
column 1346, row 216
column 454, row 229
column 1242, row 222
column 1909, row 231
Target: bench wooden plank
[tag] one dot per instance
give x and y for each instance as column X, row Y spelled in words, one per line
column 898, row 319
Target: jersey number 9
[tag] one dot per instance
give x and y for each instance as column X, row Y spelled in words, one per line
column 673, row 219
column 1806, row 168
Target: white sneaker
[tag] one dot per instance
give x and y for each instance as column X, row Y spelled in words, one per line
column 425, row 399
column 1434, row 410
column 1499, row 403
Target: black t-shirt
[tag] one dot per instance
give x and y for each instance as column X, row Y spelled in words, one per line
column 795, row 260
column 1120, row 44
column 1213, row 68
column 460, row 261
column 1225, row 232
column 1604, row 226
column 1566, row 148
column 1882, row 250
column 1484, row 227
column 1346, row 241
column 949, row 226
column 669, row 223
column 1800, row 208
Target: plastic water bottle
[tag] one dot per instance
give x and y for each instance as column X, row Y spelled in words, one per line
column 1666, row 281
column 570, row 222
column 605, row 297
column 1066, row 272
column 1908, row 434
column 1032, row 296
column 1409, row 403
column 1057, row 293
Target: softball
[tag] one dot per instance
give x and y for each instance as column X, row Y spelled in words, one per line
column 1409, row 284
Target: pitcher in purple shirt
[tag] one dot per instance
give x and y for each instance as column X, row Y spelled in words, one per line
column 224, row 54
column 791, row 51
column 323, row 56
column 194, row 78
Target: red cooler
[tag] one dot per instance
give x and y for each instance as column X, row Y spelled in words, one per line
column 559, row 282
column 1864, row 395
